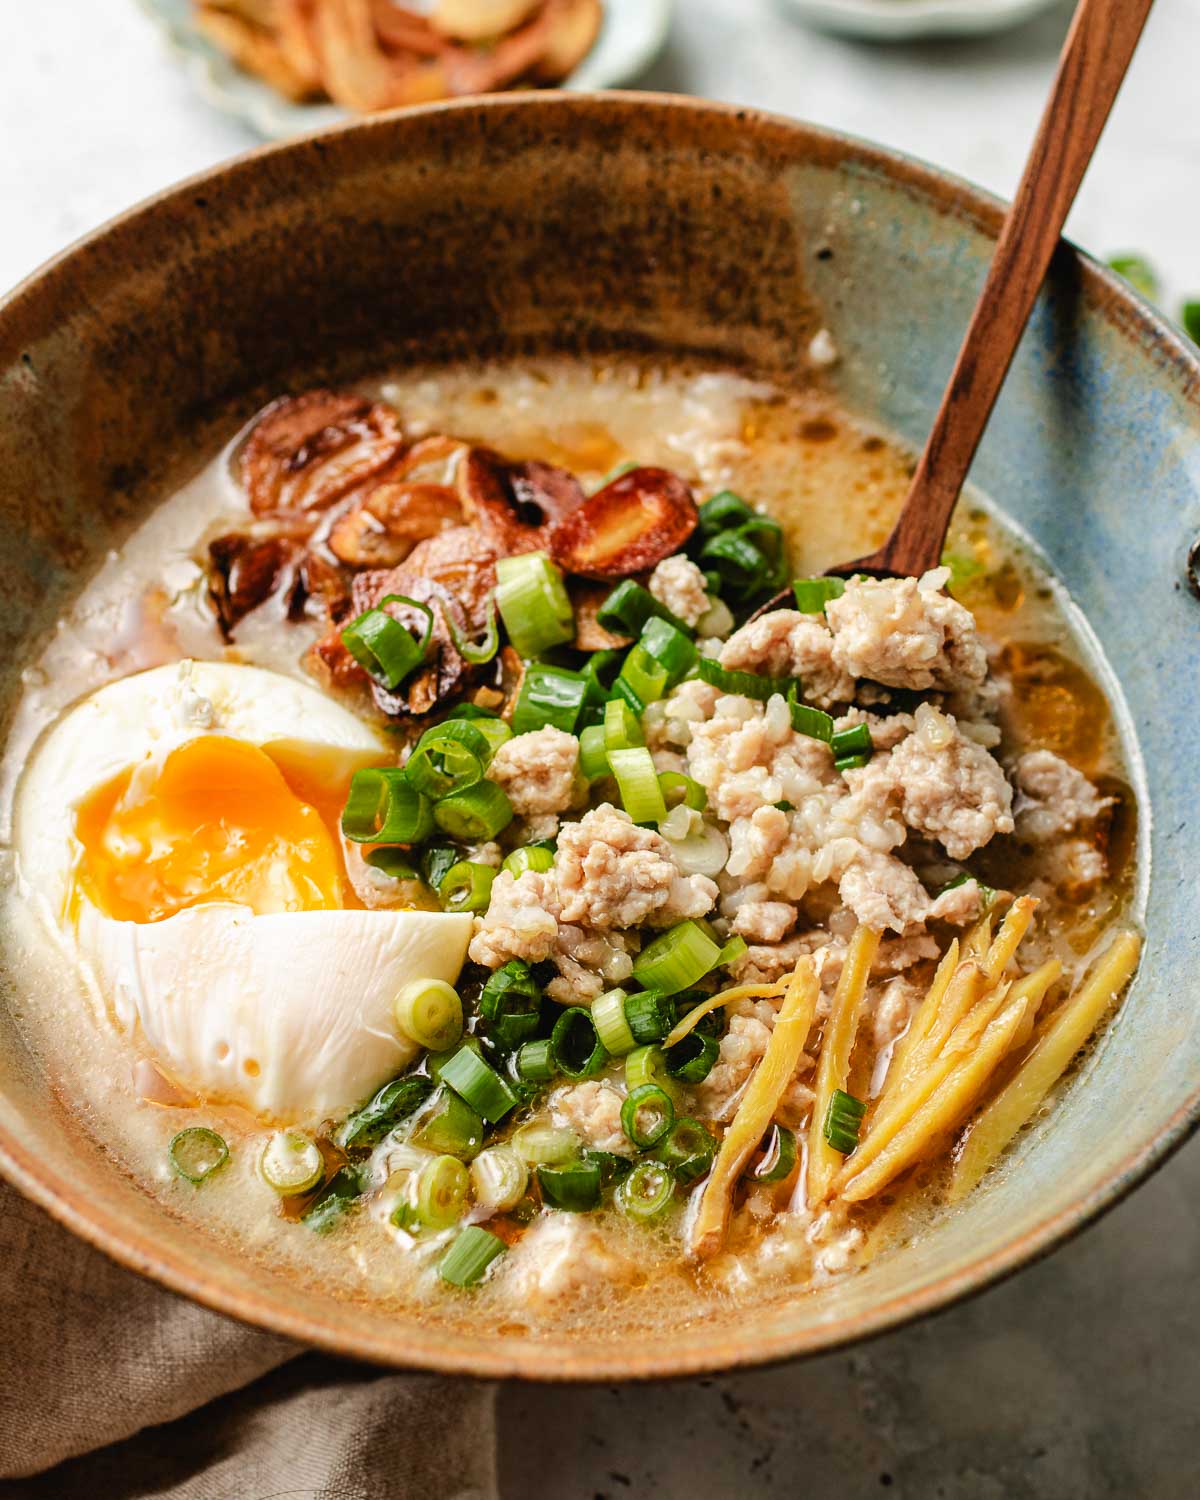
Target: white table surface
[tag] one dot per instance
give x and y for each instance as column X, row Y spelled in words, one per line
column 1078, row 1378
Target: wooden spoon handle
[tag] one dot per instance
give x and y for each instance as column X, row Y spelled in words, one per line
column 1098, row 49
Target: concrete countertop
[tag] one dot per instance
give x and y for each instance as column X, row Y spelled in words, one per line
column 1077, row 1379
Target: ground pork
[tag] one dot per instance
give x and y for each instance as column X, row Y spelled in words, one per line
column 562, row 1255
column 763, row 921
column 907, row 633
column 679, row 584
column 521, row 920
column 884, row 893
column 611, row 873
column 589, row 963
column 786, row 643
column 668, row 724
column 743, row 1045
column 747, row 754
column 959, row 905
column 537, row 771
column 1053, row 797
column 593, row 1110
column 890, row 1007
column 947, row 786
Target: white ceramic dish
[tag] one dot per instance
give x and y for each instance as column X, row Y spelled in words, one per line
column 633, row 34
column 902, row 20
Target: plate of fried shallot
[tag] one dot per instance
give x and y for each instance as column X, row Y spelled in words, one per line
column 289, row 66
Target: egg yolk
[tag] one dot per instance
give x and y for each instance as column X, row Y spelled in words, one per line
column 216, row 820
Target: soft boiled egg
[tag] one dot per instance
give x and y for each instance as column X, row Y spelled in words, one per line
column 180, row 830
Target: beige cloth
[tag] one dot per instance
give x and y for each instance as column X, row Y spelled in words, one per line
column 92, row 1355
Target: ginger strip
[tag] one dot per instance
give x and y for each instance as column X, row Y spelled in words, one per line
column 834, row 1068
column 723, row 997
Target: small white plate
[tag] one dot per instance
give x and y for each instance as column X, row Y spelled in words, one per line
column 633, row 34
column 900, row 20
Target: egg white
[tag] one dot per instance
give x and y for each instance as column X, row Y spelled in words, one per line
column 287, row 1013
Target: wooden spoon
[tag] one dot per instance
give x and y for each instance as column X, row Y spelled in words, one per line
column 1095, row 57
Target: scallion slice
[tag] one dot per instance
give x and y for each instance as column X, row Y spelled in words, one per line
column 647, row 1191
column 612, row 1165
column 723, row 510
column 448, row 757
column 467, row 886
column 629, row 606
column 436, row 860
column 642, row 679
column 429, row 1012
column 394, row 1102
column 383, row 807
column 677, row 788
column 196, row 1153
column 448, row 1124
column 688, row 1149
column 385, row 648
column 441, row 1192
column 647, row 1113
column 608, row 1012
column 593, row 758
column 692, row 1059
column 533, row 603
column 813, row 722
column 677, row 959
column 510, row 1004
column 535, row 1061
column 622, row 690
column 532, row 857
column 291, row 1163
column 622, row 731
column 334, row 1201
column 548, row 695
column 779, row 1156
column 745, row 684
column 637, row 782
column 479, row 1084
column 649, row 1065
column 575, row 1044
column 467, row 1260
column 573, row 1187
column 813, row 594
column 498, row 1179
column 476, row 652
column 486, row 720
column 398, row 863
column 851, row 742
column 649, row 1016
column 842, row 1121
column 475, row 814
column 734, row 949
column 539, row 1144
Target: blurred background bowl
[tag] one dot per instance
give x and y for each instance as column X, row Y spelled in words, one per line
column 903, row 20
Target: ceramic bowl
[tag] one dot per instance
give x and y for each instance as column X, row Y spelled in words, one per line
column 909, row 20
column 637, row 223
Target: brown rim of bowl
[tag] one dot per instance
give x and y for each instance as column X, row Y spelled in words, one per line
column 1106, row 292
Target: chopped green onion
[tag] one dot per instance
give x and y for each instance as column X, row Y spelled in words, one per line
column 642, row 679
column 291, row 1163
column 622, row 731
column 612, row 1166
column 779, row 1156
column 963, row 568
column 593, row 758
column 532, row 857
column 649, row 1065
column 647, row 1190
column 394, row 1102
column 688, row 1150
column 637, row 782
column 489, row 724
column 647, row 1114
column 813, row 722
column 197, row 1152
column 510, row 1003
column 649, row 1016
column 747, row 559
column 468, row 1258
column 535, row 1061
column 385, row 648
column 813, row 594
column 533, row 603
column 385, row 808
column 671, row 647
column 691, row 1060
column 573, row 1187
column 734, row 949
column 499, row 1178
column 334, row 1201
column 448, row 757
column 717, row 620
column 852, row 762
column 476, row 652
column 623, row 691
column 479, row 1084
column 608, row 1012
column 722, row 511
column 429, row 1012
column 467, row 886
column 842, row 1121
column 745, row 684
column 677, row 788
column 1189, row 316
column 549, row 695
column 436, row 860
column 540, row 1144
column 398, row 863
column 629, row 606
column 474, row 815
column 853, row 741
column 575, row 1044
column 442, row 1186
column 436, row 1061
column 677, row 959
column 1140, row 274
column 598, row 673
column 448, row 1125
